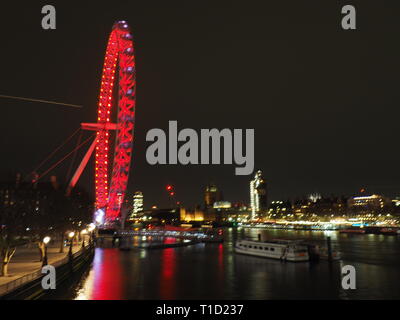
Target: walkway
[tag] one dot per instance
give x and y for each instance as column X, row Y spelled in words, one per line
column 26, row 260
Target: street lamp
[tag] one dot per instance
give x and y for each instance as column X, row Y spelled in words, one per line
column 83, row 233
column 70, row 236
column 91, row 229
column 46, row 240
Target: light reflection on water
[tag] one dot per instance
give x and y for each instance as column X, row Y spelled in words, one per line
column 331, row 234
column 214, row 271
column 168, row 267
column 104, row 281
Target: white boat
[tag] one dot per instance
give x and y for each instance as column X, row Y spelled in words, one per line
column 286, row 250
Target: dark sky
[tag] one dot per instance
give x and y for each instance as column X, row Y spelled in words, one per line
column 324, row 102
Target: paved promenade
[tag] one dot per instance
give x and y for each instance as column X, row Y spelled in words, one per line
column 26, row 260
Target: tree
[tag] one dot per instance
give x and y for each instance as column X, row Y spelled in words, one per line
column 71, row 213
column 11, row 215
column 8, row 248
column 35, row 210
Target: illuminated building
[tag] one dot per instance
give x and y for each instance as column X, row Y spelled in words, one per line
column 222, row 205
column 396, row 206
column 211, row 195
column 137, row 203
column 396, row 202
column 302, row 208
column 279, row 209
column 160, row 216
column 314, row 197
column 240, row 206
column 258, row 195
column 41, row 203
column 368, row 203
column 190, row 215
column 225, row 211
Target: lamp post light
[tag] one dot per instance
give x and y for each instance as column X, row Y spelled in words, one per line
column 46, row 240
column 71, row 237
column 83, row 233
column 91, row 228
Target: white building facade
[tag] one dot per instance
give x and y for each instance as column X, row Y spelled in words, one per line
column 258, row 195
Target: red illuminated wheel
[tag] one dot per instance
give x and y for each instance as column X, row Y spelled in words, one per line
column 110, row 193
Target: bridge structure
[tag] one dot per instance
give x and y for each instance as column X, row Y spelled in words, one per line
column 194, row 235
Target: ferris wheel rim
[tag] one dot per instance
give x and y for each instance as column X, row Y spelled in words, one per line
column 119, row 53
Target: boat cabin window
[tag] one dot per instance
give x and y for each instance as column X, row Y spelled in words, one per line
column 272, row 249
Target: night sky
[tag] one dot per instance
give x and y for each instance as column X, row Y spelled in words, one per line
column 324, row 102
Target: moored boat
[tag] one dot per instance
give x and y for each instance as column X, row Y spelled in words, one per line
column 285, row 250
column 389, row 231
column 353, row 230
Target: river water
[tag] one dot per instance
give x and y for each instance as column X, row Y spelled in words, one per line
column 214, row 271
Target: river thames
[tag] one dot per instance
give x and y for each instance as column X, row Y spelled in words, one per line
column 214, row 271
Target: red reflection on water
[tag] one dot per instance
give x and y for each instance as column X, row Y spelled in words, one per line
column 221, row 262
column 107, row 275
column 167, row 281
column 221, row 257
column 220, row 273
column 169, row 240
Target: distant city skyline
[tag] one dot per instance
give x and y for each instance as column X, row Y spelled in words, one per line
column 162, row 200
